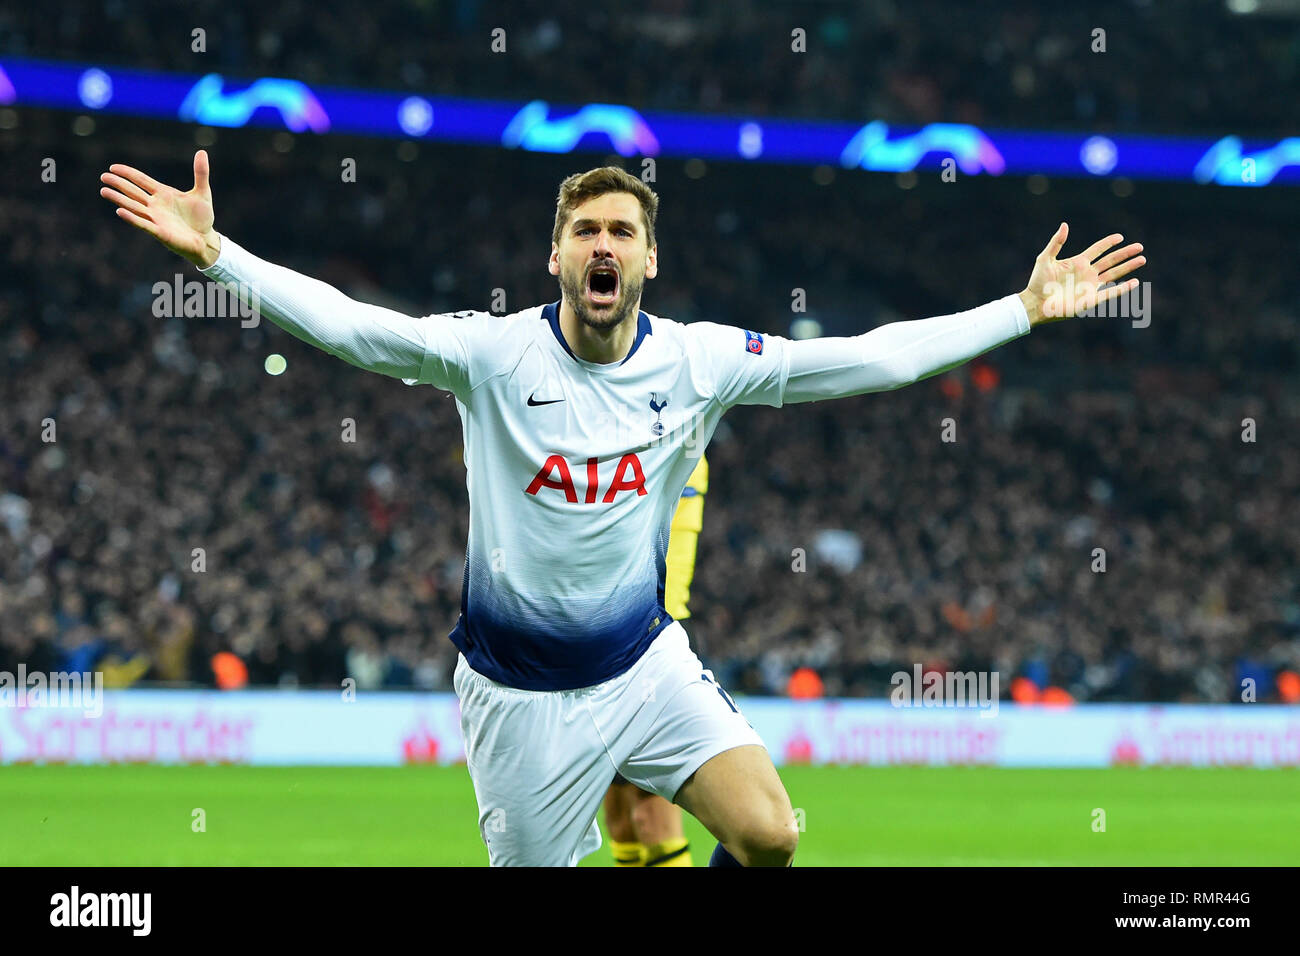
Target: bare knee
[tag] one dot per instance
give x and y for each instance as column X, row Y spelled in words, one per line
column 738, row 796
column 768, row 842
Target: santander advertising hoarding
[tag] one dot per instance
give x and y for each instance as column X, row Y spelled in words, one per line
column 320, row 728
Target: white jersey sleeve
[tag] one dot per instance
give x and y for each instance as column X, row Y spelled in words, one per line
column 900, row 353
column 435, row 350
column 746, row 368
column 752, row 369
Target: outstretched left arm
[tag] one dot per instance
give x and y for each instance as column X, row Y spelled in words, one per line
column 901, row 353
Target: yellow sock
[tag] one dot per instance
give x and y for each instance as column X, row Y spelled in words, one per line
column 675, row 852
column 628, row 854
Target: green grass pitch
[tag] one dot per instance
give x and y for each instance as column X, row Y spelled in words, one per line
column 141, row 816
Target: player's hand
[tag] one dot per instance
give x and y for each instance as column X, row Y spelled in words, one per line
column 1063, row 288
column 180, row 221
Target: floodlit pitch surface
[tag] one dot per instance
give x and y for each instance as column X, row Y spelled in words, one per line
column 290, row 816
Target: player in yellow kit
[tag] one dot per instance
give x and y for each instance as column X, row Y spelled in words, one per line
column 644, row 829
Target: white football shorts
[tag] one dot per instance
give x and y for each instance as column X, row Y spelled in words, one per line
column 541, row 761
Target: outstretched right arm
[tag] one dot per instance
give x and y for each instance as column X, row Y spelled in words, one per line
column 367, row 336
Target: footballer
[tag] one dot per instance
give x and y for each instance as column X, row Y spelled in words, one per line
column 582, row 420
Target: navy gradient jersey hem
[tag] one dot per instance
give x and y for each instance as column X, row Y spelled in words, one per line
column 546, row 668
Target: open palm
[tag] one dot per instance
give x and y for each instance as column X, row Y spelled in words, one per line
column 1063, row 288
column 181, row 221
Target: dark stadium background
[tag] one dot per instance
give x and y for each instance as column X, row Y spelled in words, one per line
column 975, row 555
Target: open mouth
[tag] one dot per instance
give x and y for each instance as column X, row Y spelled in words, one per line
column 602, row 285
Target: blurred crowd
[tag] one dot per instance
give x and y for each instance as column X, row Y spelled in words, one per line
column 1120, row 546
column 163, row 499
column 1176, row 65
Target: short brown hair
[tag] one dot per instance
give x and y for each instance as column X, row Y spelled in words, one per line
column 580, row 187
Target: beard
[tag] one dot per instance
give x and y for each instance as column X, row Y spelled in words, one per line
column 574, row 288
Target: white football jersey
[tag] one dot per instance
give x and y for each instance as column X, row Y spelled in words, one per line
column 574, row 471
column 575, row 468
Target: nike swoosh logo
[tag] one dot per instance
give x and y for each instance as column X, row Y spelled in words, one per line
column 550, row 401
